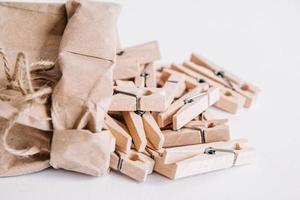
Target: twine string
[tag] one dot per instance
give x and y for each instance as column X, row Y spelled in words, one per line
column 5, row 64
column 22, row 82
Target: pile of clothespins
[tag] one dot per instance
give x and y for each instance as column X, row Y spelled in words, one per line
column 160, row 120
column 73, row 98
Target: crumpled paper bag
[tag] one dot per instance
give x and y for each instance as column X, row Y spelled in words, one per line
column 83, row 94
column 20, row 137
column 82, row 151
column 31, row 32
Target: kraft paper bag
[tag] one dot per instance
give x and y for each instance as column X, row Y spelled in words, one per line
column 82, row 151
column 19, row 138
column 86, row 60
column 28, row 46
column 35, row 29
column 83, row 94
column 24, row 149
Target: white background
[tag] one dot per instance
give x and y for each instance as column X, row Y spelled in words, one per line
column 258, row 40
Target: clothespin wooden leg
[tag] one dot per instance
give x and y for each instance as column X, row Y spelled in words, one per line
column 166, row 117
column 196, row 135
column 175, row 154
column 147, row 78
column 135, row 165
column 123, row 139
column 188, row 112
column 181, row 137
column 134, row 123
column 174, row 87
column 230, row 101
column 195, row 106
column 152, row 131
column 211, row 157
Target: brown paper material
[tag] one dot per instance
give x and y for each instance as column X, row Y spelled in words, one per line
column 86, row 60
column 82, row 151
column 83, row 94
column 35, row 115
column 28, row 44
column 33, row 28
column 36, row 30
column 21, row 147
column 20, row 137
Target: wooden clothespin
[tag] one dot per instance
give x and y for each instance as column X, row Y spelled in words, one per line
column 125, row 83
column 197, row 132
column 203, row 158
column 190, row 82
column 143, row 127
column 127, row 98
column 206, row 119
column 206, row 115
column 134, row 165
column 115, row 114
column 120, row 132
column 153, row 132
column 175, row 154
column 222, row 76
column 158, row 72
column 130, row 59
column 150, row 152
column 135, row 125
column 174, row 87
column 230, row 100
column 141, row 124
column 188, row 107
column 147, row 78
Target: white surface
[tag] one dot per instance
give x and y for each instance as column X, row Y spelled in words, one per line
column 260, row 41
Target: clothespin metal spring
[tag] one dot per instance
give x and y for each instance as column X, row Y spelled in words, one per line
column 150, row 153
column 222, row 75
column 120, row 161
column 138, row 107
column 201, row 80
column 191, row 99
column 140, row 112
column 201, row 131
column 212, row 151
column 145, row 75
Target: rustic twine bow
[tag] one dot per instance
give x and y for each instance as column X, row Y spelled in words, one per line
column 25, row 86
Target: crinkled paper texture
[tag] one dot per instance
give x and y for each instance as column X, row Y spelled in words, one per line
column 82, row 151
column 83, row 95
column 86, row 60
column 20, row 138
column 35, row 29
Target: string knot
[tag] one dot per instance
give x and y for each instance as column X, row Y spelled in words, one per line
column 24, row 86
